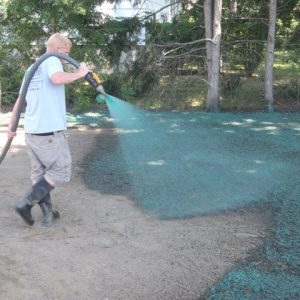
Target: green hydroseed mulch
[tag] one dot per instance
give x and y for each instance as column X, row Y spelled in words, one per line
column 179, row 165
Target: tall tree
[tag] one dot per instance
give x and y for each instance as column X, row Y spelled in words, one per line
column 269, row 97
column 208, row 34
column 28, row 23
column 212, row 103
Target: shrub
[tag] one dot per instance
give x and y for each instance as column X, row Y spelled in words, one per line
column 80, row 97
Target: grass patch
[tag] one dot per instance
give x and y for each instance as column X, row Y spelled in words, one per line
column 178, row 93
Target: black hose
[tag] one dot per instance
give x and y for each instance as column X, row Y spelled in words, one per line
column 24, row 89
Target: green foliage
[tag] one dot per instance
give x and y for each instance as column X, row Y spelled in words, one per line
column 27, row 22
column 144, row 73
column 173, row 57
column 175, row 93
column 80, row 96
column 127, row 91
column 113, row 85
column 242, row 94
column 11, row 73
column 287, row 78
column 25, row 25
column 8, row 99
column 119, row 86
column 119, row 36
column 244, row 37
column 185, row 27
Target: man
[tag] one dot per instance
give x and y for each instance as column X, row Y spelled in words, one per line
column 44, row 125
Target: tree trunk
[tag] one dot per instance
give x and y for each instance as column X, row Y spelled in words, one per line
column 208, row 34
column 213, row 88
column 269, row 98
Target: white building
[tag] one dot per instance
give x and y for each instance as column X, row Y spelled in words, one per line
column 161, row 9
column 131, row 8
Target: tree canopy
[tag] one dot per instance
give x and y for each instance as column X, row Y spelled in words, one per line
column 172, row 48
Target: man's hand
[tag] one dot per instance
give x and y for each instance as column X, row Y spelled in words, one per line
column 83, row 69
column 10, row 134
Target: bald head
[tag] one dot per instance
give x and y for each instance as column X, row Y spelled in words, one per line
column 58, row 41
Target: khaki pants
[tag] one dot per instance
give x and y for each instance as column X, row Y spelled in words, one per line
column 50, row 157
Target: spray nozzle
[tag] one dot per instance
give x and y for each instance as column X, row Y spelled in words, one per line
column 94, row 80
column 101, row 98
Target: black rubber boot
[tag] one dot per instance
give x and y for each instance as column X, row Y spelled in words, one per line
column 33, row 196
column 25, row 213
column 48, row 213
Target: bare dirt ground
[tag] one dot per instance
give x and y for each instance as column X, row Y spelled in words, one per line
column 103, row 246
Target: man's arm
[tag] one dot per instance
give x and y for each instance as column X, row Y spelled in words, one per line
column 66, row 77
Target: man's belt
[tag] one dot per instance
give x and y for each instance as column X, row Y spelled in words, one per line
column 47, row 133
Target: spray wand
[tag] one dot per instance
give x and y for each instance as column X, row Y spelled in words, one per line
column 95, row 82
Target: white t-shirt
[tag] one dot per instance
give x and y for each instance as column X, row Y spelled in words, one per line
column 46, row 105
